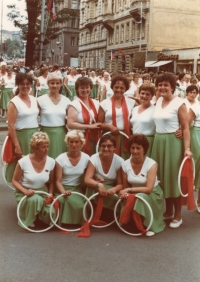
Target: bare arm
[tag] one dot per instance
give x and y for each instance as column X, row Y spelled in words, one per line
column 103, row 93
column 118, row 187
column 15, row 181
column 12, row 115
column 51, row 180
column 183, row 119
column 191, row 116
column 58, row 181
column 105, row 126
column 151, row 178
column 72, row 123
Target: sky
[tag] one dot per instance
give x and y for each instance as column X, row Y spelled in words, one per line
column 8, row 25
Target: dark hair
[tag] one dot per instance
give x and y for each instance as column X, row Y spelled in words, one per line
column 166, row 77
column 108, row 137
column 181, row 76
column 120, row 78
column 83, row 81
column 139, row 139
column 148, row 87
column 191, row 88
column 20, row 77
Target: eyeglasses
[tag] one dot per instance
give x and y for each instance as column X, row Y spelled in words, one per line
column 106, row 146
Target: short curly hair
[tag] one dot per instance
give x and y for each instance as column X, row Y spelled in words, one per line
column 120, row 78
column 107, row 137
column 168, row 77
column 147, row 87
column 37, row 139
column 73, row 134
column 191, row 88
column 139, row 139
column 83, row 81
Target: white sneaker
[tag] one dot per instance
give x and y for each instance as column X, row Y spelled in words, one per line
column 32, row 225
column 6, row 121
column 150, row 233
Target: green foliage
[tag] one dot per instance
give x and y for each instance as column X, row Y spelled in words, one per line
column 14, row 48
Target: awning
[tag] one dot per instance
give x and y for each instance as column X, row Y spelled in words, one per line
column 159, row 63
column 147, row 64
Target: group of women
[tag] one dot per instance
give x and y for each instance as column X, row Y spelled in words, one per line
column 141, row 147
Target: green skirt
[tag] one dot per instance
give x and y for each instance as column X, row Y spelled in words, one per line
column 57, row 144
column 70, row 94
column 71, row 207
column 6, row 97
column 167, row 151
column 23, row 137
column 150, row 139
column 94, row 92
column 108, row 202
column 32, row 206
column 42, row 92
column 195, row 148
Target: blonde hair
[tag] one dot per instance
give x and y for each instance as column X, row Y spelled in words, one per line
column 54, row 75
column 38, row 138
column 75, row 133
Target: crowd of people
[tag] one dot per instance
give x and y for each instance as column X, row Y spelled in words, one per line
column 87, row 131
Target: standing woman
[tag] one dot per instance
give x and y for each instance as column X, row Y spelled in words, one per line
column 7, row 84
column 41, row 85
column 31, row 174
column 168, row 150
column 106, row 90
column 82, row 114
column 114, row 114
column 69, row 84
column 95, row 88
column 142, row 116
column 22, row 119
column 70, row 167
column 191, row 94
column 53, row 110
column 135, row 84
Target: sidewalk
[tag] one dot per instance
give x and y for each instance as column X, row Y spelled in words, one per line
column 3, row 124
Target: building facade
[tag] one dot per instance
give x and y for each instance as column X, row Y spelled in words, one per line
column 119, row 27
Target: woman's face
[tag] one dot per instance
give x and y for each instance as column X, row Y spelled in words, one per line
column 145, row 97
column 45, row 73
column 119, row 88
column 84, row 90
column 107, row 148
column 136, row 78
column 146, row 80
column 74, row 144
column 192, row 95
column 165, row 89
column 24, row 87
column 106, row 76
column 42, row 149
column 9, row 72
column 54, row 85
column 137, row 151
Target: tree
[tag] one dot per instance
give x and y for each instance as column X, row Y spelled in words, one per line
column 31, row 27
column 13, row 48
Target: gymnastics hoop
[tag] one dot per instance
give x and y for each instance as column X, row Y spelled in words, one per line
column 4, row 178
column 2, row 150
column 84, row 215
column 97, row 145
column 150, row 211
column 61, row 195
column 179, row 175
column 27, row 228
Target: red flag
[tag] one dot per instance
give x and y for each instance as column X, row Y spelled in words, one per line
column 121, row 52
column 51, row 9
column 112, row 54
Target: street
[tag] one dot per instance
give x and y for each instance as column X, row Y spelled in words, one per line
column 108, row 255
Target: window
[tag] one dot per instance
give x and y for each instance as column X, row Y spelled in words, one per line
column 127, row 32
column 73, row 22
column 72, row 41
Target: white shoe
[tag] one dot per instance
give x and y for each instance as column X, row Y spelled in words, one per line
column 198, row 207
column 32, row 225
column 150, row 233
column 175, row 223
column 7, row 121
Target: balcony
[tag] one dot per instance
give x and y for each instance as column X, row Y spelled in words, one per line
column 107, row 21
column 135, row 9
column 90, row 23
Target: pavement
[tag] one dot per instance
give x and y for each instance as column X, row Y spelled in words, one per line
column 108, row 255
column 3, row 124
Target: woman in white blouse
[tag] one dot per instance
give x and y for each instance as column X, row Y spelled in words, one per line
column 139, row 175
column 31, row 174
column 170, row 114
column 142, row 116
column 115, row 112
column 53, row 112
column 41, row 85
column 70, row 167
column 191, row 95
column 103, row 174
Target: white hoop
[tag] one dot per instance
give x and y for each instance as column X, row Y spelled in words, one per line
column 4, row 178
column 150, row 211
column 97, row 146
column 61, row 195
column 179, row 175
column 2, row 150
column 84, row 215
column 27, row 228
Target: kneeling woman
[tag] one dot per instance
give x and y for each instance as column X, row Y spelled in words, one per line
column 139, row 177
column 70, row 167
column 103, row 174
column 31, row 174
